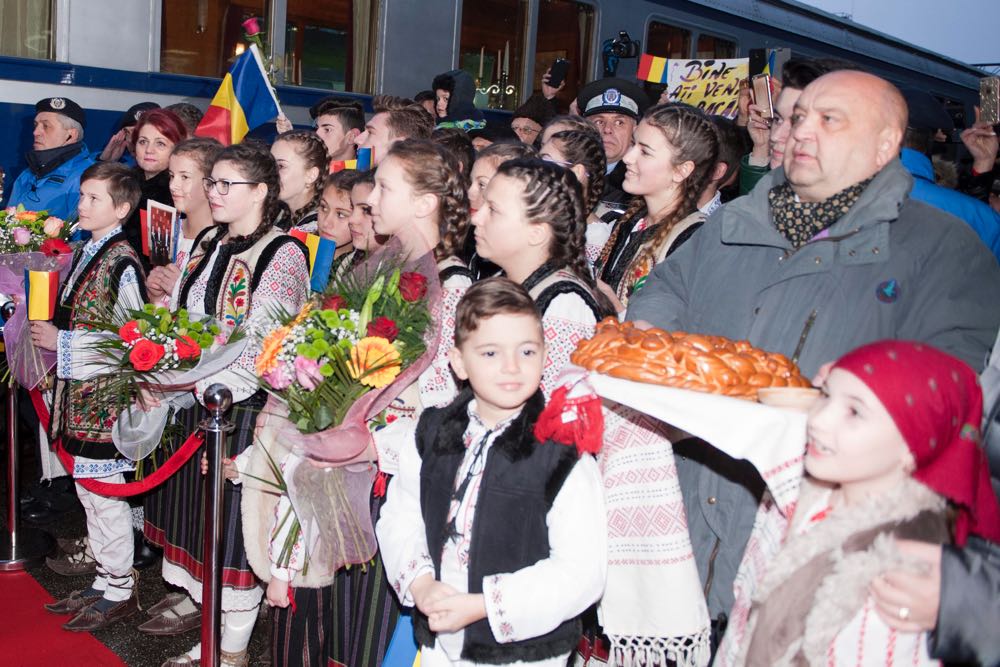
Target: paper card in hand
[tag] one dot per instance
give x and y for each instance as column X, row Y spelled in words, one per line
column 321, row 253
column 162, row 230
column 40, row 291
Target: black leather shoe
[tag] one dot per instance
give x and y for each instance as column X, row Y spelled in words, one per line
column 44, row 511
column 145, row 554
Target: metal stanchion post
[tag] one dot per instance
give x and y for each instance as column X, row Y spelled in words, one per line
column 20, row 547
column 218, row 400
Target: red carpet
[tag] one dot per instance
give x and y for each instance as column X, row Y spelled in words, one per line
column 31, row 636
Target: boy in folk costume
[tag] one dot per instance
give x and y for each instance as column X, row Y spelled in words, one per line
column 106, row 276
column 489, row 589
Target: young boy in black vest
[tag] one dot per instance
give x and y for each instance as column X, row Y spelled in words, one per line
column 497, row 539
column 106, row 277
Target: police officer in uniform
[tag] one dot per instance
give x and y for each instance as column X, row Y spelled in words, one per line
column 58, row 157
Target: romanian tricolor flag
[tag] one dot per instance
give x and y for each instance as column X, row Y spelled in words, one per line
column 652, row 69
column 40, row 291
column 244, row 100
column 363, row 162
column 321, row 252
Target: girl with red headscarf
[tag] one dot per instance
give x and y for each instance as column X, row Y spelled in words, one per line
column 893, row 451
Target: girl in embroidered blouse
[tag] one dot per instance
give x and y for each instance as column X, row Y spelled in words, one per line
column 302, row 161
column 892, row 452
column 532, row 226
column 667, row 168
column 190, row 162
column 242, row 272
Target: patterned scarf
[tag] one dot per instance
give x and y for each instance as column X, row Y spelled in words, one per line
column 800, row 221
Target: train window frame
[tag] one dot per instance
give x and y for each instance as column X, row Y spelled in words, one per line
column 672, row 22
column 587, row 68
column 716, row 35
column 275, row 14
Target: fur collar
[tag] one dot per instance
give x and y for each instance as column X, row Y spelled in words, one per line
column 844, row 589
column 516, row 442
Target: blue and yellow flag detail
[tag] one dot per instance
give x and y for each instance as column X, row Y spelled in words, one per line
column 321, row 252
column 244, row 100
column 41, row 289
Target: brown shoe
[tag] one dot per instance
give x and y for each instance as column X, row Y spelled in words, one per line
column 171, row 623
column 171, row 600
column 181, row 661
column 74, row 603
column 72, row 565
column 71, row 545
column 90, row 619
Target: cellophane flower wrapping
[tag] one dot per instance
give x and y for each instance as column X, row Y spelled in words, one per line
column 165, row 353
column 331, row 497
column 28, row 364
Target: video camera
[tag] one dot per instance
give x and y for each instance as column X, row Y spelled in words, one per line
column 622, row 46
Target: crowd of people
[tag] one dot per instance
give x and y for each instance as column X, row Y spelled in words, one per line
column 817, row 231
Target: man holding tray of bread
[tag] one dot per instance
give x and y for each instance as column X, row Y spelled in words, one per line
column 825, row 254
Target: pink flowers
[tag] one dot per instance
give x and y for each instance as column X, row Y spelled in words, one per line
column 251, row 27
column 279, row 378
column 52, row 227
column 307, row 373
column 21, row 235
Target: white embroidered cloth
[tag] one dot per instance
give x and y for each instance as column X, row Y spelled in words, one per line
column 648, row 544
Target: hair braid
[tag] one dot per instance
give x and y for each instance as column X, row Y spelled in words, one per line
column 432, row 169
column 313, row 152
column 553, row 196
column 584, row 147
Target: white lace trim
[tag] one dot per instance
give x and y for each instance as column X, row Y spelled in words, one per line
column 688, row 651
column 232, row 599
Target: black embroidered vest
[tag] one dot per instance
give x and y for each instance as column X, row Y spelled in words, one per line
column 521, row 479
column 80, row 416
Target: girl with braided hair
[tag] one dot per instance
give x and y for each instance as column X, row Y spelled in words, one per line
column 532, row 227
column 582, row 152
column 419, row 198
column 241, row 272
column 667, row 168
column 303, row 161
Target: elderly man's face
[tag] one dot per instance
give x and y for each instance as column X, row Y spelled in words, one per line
column 616, row 132
column 841, row 134
column 49, row 132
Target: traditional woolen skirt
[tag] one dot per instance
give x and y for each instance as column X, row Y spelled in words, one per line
column 365, row 611
column 175, row 515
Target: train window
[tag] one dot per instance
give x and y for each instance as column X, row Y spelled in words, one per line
column 668, row 41
column 322, row 49
column 565, row 30
column 26, row 29
column 710, row 46
column 490, row 48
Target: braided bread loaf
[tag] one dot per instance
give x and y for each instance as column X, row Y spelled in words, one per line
column 712, row 364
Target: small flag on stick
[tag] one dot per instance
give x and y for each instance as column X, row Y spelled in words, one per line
column 652, row 69
column 40, row 291
column 321, row 252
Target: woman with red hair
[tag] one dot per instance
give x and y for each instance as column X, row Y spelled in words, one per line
column 153, row 139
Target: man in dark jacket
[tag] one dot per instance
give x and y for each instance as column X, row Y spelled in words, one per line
column 825, row 254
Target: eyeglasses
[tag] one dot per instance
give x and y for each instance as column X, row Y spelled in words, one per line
column 526, row 129
column 222, row 185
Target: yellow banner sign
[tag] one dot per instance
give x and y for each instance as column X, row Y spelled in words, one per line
column 711, row 85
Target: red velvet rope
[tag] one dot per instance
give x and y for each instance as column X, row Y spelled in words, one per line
column 160, row 475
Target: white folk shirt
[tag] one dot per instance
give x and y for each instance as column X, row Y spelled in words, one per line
column 519, row 605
